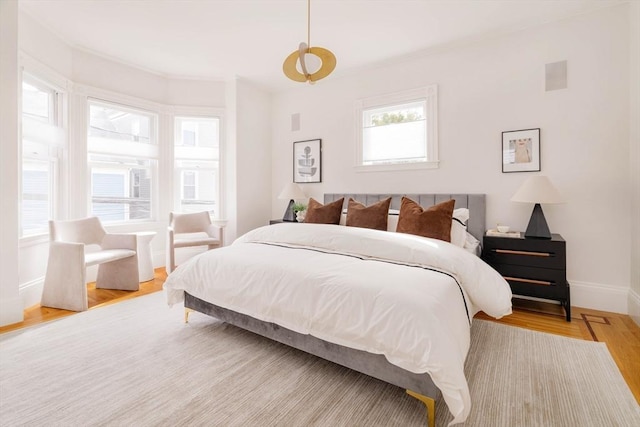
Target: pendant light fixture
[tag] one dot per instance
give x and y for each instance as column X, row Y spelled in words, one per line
column 301, row 55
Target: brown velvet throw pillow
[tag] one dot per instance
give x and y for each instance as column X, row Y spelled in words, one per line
column 434, row 222
column 324, row 214
column 373, row 216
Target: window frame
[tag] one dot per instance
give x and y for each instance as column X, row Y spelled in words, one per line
column 149, row 151
column 198, row 114
column 50, row 151
column 428, row 95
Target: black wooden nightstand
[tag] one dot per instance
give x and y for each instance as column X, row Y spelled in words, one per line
column 533, row 267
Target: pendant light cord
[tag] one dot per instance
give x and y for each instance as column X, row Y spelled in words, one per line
column 308, row 24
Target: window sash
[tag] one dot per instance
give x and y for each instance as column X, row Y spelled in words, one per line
column 203, row 132
column 123, row 163
column 197, row 164
column 397, row 131
column 398, row 143
column 37, row 195
column 118, row 193
column 120, row 123
column 43, row 139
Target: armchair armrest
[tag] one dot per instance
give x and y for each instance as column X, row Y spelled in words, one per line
column 216, row 232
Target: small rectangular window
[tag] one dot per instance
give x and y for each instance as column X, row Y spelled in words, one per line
column 398, row 131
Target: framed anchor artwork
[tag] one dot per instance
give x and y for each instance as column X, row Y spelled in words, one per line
column 307, row 161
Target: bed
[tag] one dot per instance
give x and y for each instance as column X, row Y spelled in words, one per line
column 288, row 282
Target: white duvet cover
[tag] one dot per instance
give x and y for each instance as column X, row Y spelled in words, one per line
column 407, row 297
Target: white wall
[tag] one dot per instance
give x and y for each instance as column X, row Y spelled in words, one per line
column 253, row 151
column 493, row 86
column 634, row 140
column 10, row 303
column 40, row 43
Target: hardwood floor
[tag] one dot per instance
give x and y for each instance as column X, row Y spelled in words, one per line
column 618, row 331
column 96, row 297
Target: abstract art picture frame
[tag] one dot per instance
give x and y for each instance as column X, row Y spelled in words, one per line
column 521, row 150
column 307, row 161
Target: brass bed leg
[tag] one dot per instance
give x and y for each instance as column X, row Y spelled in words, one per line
column 429, row 403
column 186, row 314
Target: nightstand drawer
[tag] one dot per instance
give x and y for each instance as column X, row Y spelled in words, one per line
column 532, row 281
column 536, row 276
column 543, row 254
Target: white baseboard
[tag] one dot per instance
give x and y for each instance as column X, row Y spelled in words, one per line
column 31, row 292
column 634, row 306
column 11, row 311
column 600, row 297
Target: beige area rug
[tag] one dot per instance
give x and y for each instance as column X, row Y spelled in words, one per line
column 136, row 364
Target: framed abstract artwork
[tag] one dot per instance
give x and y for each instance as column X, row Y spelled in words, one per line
column 307, row 161
column 521, row 150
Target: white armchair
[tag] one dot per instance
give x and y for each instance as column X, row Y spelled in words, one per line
column 78, row 244
column 188, row 230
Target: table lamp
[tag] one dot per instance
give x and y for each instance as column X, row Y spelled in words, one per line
column 291, row 191
column 537, row 189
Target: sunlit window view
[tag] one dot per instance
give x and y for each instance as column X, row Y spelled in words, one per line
column 197, row 163
column 122, row 162
column 395, row 134
column 42, row 141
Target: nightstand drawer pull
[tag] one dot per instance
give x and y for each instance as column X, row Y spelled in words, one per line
column 512, row 252
column 535, row 282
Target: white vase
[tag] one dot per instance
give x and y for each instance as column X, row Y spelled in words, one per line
column 300, row 215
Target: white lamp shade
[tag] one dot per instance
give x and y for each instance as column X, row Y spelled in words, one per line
column 537, row 189
column 292, row 191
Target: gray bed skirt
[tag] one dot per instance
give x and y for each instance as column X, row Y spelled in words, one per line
column 374, row 365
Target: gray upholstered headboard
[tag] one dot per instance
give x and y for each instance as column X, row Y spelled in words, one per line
column 474, row 202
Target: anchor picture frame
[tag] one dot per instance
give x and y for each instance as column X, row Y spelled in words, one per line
column 307, row 161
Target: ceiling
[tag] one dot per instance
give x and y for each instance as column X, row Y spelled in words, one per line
column 218, row 39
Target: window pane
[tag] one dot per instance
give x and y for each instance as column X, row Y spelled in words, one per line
column 120, row 188
column 394, row 134
column 197, row 132
column 395, row 114
column 404, row 142
column 189, row 185
column 36, row 203
column 197, row 150
column 199, row 190
column 113, row 123
column 37, row 103
column 42, row 140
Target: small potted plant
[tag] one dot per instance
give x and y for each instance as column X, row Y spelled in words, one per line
column 300, row 210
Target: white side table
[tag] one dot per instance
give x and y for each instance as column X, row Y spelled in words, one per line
column 145, row 263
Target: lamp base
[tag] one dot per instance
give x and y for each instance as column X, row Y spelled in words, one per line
column 289, row 214
column 537, row 228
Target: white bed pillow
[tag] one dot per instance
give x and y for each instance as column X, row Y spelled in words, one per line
column 459, row 226
column 472, row 244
